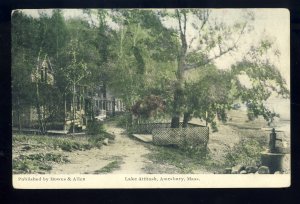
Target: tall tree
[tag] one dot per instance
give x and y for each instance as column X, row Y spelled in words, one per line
column 214, row 37
column 74, row 73
column 143, row 55
column 22, row 63
column 203, row 39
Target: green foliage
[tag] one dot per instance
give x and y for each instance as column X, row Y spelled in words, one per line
column 66, row 144
column 184, row 160
column 124, row 120
column 39, row 162
column 214, row 126
column 266, row 79
column 97, row 133
column 20, row 166
column 209, row 96
column 149, row 106
column 139, row 55
column 95, row 128
column 96, row 140
column 110, row 167
column 69, row 146
column 48, row 157
column 246, row 152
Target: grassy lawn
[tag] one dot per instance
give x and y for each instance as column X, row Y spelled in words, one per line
column 172, row 160
column 37, row 154
column 245, row 151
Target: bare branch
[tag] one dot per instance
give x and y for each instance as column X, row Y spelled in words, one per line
column 184, row 23
column 191, row 41
column 221, row 52
column 204, row 20
column 179, row 22
column 203, row 63
column 241, row 33
column 182, row 34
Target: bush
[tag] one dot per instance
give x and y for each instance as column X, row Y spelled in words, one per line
column 96, row 140
column 95, row 128
column 69, row 145
column 214, row 126
column 22, row 166
column 246, row 152
column 123, row 120
column 33, row 163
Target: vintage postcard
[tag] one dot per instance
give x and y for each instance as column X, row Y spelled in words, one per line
column 150, row 98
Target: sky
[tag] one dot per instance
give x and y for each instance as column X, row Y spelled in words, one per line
column 272, row 24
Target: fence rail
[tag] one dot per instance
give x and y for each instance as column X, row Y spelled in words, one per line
column 182, row 137
column 193, row 135
column 147, row 128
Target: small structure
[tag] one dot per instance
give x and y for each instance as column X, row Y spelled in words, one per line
column 162, row 134
column 272, row 141
column 274, row 156
column 85, row 103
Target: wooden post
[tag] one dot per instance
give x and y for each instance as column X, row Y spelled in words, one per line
column 74, row 115
column 113, row 107
column 206, row 114
column 65, row 104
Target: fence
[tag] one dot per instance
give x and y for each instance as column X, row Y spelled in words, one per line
column 182, row 137
column 147, row 128
column 193, row 135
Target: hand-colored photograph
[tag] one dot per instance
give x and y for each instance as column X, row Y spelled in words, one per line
column 157, row 94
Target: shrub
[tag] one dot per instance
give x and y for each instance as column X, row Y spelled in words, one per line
column 214, row 126
column 35, row 162
column 95, row 127
column 96, row 140
column 246, row 152
column 69, row 145
column 22, row 166
column 123, row 120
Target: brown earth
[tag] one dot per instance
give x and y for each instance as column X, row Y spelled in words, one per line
column 123, row 149
column 125, row 155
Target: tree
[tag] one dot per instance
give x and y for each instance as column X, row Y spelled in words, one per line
column 141, row 53
column 74, row 73
column 22, row 91
column 265, row 80
column 143, row 56
column 209, row 96
column 213, row 36
column 213, row 39
column 30, row 46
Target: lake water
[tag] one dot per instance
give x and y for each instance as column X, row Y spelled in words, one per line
column 282, row 107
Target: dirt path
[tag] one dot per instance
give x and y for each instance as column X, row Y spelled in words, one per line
column 129, row 156
column 126, row 152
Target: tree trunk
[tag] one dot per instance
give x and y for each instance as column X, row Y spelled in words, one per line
column 206, row 115
column 186, row 119
column 176, row 108
column 19, row 115
column 178, row 92
column 74, row 109
column 104, row 89
column 65, row 107
column 113, row 107
column 38, row 109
